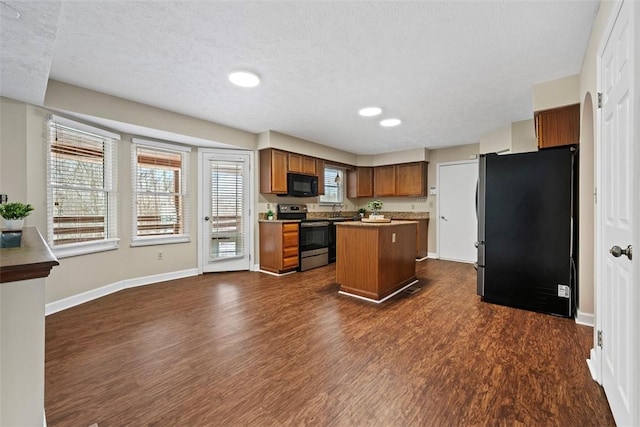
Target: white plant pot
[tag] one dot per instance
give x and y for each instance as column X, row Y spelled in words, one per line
column 14, row 224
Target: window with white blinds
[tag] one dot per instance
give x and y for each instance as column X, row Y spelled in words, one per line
column 227, row 208
column 81, row 206
column 160, row 173
column 333, row 185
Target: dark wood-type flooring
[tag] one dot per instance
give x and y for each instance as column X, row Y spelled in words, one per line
column 243, row 349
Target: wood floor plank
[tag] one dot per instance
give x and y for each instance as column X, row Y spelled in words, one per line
column 254, row 349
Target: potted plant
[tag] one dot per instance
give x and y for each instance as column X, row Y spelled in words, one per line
column 362, row 211
column 269, row 214
column 375, row 206
column 14, row 214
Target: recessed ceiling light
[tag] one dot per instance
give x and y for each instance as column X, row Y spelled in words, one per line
column 244, row 79
column 7, row 11
column 370, row 111
column 390, row 122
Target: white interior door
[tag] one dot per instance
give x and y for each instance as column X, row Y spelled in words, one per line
column 619, row 305
column 226, row 211
column 457, row 222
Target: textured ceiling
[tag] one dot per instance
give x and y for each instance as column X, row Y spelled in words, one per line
column 451, row 71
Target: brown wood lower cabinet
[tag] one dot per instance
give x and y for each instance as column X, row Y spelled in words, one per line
column 375, row 260
column 422, row 237
column 279, row 251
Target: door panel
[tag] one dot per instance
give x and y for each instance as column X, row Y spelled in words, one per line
column 619, row 297
column 457, row 222
column 226, row 232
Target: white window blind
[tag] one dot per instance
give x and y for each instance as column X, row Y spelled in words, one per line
column 334, row 182
column 227, row 208
column 160, row 192
column 81, row 210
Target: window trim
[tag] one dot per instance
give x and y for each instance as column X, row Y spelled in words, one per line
column 184, row 151
column 343, row 177
column 110, row 165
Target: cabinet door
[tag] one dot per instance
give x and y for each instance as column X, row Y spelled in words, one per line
column 360, row 182
column 411, row 179
column 320, row 171
column 559, row 126
column 295, row 163
column 384, row 180
column 273, row 171
column 309, row 165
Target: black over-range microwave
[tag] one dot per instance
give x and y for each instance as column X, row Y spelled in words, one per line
column 299, row 185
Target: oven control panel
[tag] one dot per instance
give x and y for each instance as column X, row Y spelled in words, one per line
column 291, row 208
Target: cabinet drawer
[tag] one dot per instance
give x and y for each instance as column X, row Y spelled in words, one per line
column 290, row 227
column 290, row 252
column 290, row 240
column 289, row 262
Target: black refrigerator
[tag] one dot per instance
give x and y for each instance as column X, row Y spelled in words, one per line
column 527, row 230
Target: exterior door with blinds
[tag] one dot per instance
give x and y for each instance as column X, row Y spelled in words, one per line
column 226, row 211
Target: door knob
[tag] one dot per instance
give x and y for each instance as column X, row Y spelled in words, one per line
column 616, row 251
column 206, row 218
column 442, row 217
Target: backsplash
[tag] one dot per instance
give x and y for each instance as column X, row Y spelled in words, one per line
column 347, row 214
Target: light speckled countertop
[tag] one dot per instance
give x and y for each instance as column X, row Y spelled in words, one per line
column 373, row 224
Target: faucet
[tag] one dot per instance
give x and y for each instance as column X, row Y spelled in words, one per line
column 335, row 214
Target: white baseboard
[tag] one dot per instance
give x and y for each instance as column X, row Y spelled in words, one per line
column 157, row 278
column 591, row 363
column 586, row 319
column 432, row 255
column 381, row 300
column 81, row 298
column 276, row 274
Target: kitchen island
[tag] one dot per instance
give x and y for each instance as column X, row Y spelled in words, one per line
column 375, row 261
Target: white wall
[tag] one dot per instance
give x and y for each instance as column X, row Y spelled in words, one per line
column 443, row 155
column 496, row 141
column 556, row 93
column 523, row 137
column 588, row 86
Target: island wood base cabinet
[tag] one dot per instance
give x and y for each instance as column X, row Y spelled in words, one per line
column 375, row 260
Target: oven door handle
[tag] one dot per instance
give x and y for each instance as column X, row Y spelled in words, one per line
column 315, row 224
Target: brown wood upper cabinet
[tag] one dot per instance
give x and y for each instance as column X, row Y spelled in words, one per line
column 320, row 170
column 411, row 179
column 299, row 163
column 360, row 182
column 558, row 126
column 273, row 171
column 384, row 180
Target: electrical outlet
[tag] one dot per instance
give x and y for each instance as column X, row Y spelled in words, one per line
column 160, row 256
column 413, row 207
column 268, row 206
column 393, row 237
column 431, row 204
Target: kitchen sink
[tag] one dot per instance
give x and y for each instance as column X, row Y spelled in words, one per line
column 343, row 218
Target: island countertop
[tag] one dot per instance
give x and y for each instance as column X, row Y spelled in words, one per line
column 32, row 259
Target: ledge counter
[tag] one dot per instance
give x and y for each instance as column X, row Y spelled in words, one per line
column 374, row 261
